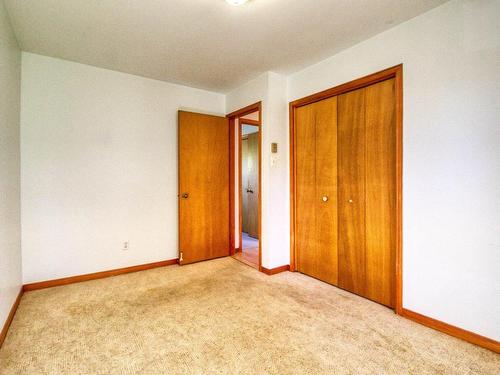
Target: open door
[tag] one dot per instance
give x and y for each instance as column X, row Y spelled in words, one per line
column 203, row 187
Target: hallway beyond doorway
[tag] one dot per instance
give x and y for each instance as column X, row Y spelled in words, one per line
column 249, row 253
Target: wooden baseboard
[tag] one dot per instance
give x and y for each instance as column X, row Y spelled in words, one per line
column 274, row 271
column 460, row 333
column 96, row 275
column 10, row 317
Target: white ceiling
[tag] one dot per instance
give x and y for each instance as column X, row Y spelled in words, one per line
column 202, row 43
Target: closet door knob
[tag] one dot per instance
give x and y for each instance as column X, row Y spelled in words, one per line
column 350, row 200
column 325, row 198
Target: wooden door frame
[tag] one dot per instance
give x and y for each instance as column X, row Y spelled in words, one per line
column 233, row 116
column 395, row 72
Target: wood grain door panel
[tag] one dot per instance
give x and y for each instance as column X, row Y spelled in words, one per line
column 203, row 175
column 351, row 190
column 317, row 178
column 380, row 192
column 326, row 257
column 305, row 185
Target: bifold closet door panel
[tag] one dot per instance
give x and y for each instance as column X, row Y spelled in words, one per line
column 326, row 190
column 351, row 194
column 305, row 188
column 316, row 190
column 380, row 191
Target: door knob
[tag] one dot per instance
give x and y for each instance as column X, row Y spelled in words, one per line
column 185, row 195
column 325, row 198
column 350, row 200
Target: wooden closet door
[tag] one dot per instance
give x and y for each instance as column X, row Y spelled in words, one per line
column 316, row 190
column 326, row 191
column 305, row 190
column 380, row 238
column 345, row 148
column 351, row 191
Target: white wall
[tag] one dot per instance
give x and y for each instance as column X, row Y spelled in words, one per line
column 451, row 182
column 10, row 225
column 270, row 88
column 277, row 194
column 99, row 167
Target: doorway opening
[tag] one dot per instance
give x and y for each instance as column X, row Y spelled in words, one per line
column 249, row 193
column 245, row 129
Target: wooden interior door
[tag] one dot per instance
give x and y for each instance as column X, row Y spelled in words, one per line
column 316, row 190
column 203, row 187
column 380, row 124
column 250, row 184
column 351, row 196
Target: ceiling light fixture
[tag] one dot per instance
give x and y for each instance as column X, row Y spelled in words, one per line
column 236, row 2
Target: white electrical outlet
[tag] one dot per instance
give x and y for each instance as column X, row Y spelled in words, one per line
column 125, row 246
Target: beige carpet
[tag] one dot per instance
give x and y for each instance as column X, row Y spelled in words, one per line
column 223, row 317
